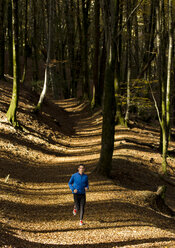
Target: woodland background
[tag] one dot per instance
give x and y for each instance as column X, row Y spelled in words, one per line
column 124, row 49
column 87, row 81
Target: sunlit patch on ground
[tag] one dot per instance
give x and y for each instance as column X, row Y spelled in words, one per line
column 35, row 166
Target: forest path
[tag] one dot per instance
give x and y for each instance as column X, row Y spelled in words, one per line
column 36, row 203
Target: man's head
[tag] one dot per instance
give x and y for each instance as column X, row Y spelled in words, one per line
column 81, row 168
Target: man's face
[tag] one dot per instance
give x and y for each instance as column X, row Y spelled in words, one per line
column 81, row 169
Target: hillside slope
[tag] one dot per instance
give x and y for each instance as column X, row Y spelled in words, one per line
column 36, row 164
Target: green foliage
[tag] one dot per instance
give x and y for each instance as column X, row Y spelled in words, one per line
column 141, row 103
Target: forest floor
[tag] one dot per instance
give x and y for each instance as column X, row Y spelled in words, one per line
column 36, row 164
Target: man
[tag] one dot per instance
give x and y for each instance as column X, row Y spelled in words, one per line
column 78, row 183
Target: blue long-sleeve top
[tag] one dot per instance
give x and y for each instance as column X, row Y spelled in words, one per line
column 79, row 182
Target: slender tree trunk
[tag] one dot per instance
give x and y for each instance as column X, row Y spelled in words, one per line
column 25, row 44
column 11, row 113
column 137, row 55
column 150, row 28
column 10, row 42
column 159, row 61
column 102, row 70
column 169, row 70
column 80, row 48
column 53, row 74
column 152, row 33
column 166, row 96
column 128, row 101
column 70, row 23
column 85, row 11
column 164, row 84
column 2, row 43
column 109, row 107
column 163, row 94
column 128, row 64
column 72, row 51
column 61, row 51
column 66, row 91
column 119, row 119
column 43, row 93
column 95, row 97
column 35, row 43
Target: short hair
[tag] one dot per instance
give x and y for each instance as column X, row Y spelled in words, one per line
column 81, row 165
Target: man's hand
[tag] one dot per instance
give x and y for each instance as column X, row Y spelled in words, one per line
column 75, row 191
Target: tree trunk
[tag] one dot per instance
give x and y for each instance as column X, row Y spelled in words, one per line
column 80, row 47
column 119, row 119
column 70, row 23
column 102, row 69
column 85, row 11
column 164, row 84
column 43, row 93
column 163, row 93
column 11, row 113
column 166, row 97
column 95, row 96
column 2, row 43
column 105, row 162
column 109, row 108
column 137, row 55
column 159, row 62
column 128, row 102
column 65, row 87
column 35, row 43
column 10, row 42
column 25, row 44
column 169, row 66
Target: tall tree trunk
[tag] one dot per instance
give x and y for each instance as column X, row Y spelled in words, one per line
column 35, row 43
column 163, row 93
column 169, row 66
column 2, row 43
column 66, row 91
column 128, row 102
column 95, row 97
column 53, row 74
column 72, row 52
column 70, row 23
column 85, row 11
column 80, row 47
column 159, row 61
column 25, row 44
column 119, row 119
column 43, row 93
column 150, row 28
column 10, row 42
column 166, row 96
column 109, row 9
column 11, row 113
column 136, row 32
column 61, row 51
column 102, row 69
column 164, row 84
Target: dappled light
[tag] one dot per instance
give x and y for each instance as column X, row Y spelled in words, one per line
column 36, row 165
column 87, row 124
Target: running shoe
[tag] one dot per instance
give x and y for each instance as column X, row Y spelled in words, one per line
column 81, row 223
column 74, row 211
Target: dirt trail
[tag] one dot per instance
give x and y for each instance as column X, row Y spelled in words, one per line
column 36, row 203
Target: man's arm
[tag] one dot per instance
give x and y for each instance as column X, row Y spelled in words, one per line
column 87, row 184
column 71, row 181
